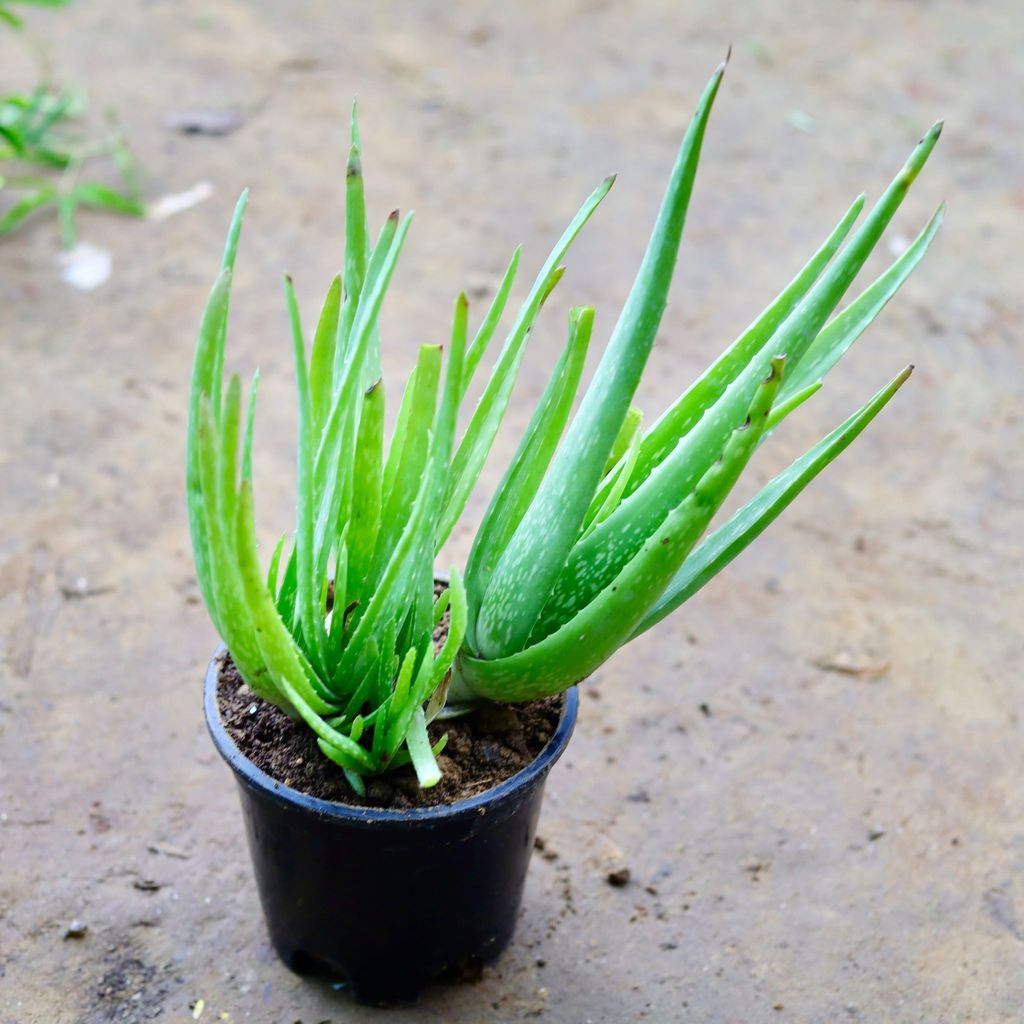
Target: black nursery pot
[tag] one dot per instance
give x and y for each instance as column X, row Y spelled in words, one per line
column 388, row 899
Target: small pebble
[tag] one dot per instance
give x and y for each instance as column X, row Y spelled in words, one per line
column 76, row 930
column 618, row 878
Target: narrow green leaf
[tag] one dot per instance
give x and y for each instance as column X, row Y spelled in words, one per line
column 676, row 421
column 624, row 440
column 746, row 525
column 306, row 589
column 321, row 359
column 483, row 337
column 15, row 214
column 250, row 421
column 837, row 337
column 93, row 193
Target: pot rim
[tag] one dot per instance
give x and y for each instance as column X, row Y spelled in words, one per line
column 256, row 778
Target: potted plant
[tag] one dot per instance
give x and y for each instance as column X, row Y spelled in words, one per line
column 346, row 664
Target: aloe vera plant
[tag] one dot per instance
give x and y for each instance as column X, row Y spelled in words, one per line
column 596, row 531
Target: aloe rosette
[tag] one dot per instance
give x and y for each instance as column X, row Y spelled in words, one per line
column 595, row 533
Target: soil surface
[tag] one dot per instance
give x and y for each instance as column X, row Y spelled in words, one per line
column 813, row 771
column 482, row 749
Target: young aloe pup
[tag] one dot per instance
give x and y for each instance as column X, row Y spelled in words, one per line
column 591, row 538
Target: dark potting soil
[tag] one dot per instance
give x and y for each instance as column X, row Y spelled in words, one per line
column 484, row 748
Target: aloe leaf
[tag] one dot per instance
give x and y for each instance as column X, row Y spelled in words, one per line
column 238, row 630
column 227, row 264
column 526, row 573
column 365, row 520
column 418, row 744
column 746, row 525
column 783, row 407
column 620, row 478
column 286, row 665
column 597, row 558
column 396, row 449
column 306, row 590
column 415, row 452
column 483, row 426
column 624, row 440
column 275, row 560
column 227, row 455
column 205, row 367
column 573, row 651
column 250, row 422
column 487, row 329
column 680, row 417
column 526, row 470
column 837, row 337
column 321, row 359
column 390, row 596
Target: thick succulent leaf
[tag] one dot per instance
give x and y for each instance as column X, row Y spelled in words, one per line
column 227, row 264
column 321, row 359
column 746, row 525
column 594, row 562
column 598, row 630
column 522, row 581
column 364, row 523
column 310, row 621
column 680, row 417
column 204, row 382
column 226, row 587
column 415, row 452
column 476, row 442
column 531, row 460
column 418, row 744
column 287, row 666
column 837, row 337
column 250, row 422
column 624, row 440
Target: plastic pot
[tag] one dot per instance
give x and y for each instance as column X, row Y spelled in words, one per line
column 388, row 899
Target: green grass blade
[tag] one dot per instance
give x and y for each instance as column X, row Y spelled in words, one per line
column 524, row 577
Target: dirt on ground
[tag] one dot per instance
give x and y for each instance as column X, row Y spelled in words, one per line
column 812, row 772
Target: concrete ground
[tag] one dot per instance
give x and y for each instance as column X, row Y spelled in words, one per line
column 813, row 772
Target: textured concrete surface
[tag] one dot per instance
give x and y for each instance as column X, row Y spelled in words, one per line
column 806, row 844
